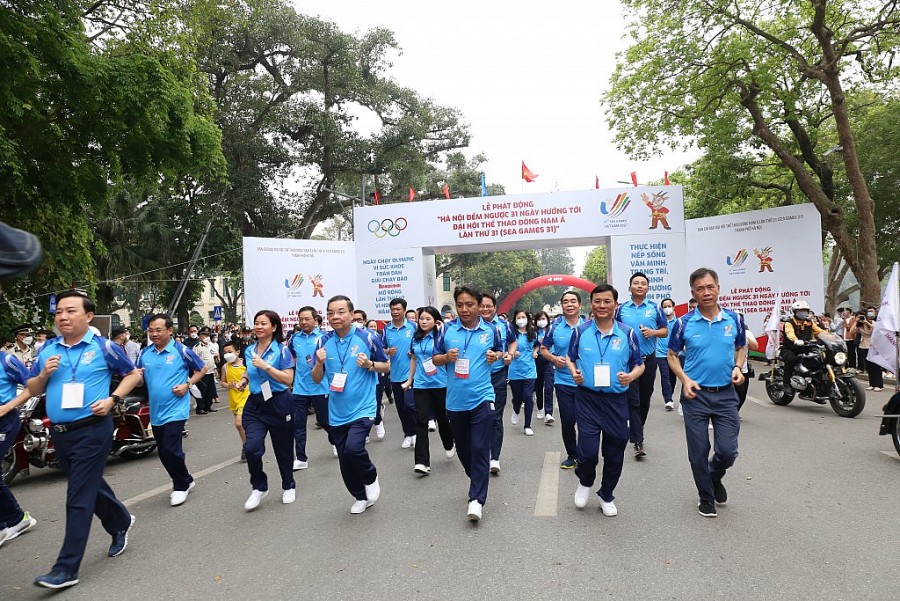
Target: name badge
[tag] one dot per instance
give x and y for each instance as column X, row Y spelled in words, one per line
column 602, row 375
column 338, row 382
column 73, row 395
column 2, row 436
column 462, row 369
column 266, row 390
column 428, row 366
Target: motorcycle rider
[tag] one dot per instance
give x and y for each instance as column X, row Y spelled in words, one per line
column 799, row 330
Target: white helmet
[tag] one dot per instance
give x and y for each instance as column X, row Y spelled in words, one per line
column 800, row 306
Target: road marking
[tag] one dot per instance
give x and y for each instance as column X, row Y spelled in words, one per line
column 892, row 455
column 548, row 489
column 168, row 487
column 760, row 402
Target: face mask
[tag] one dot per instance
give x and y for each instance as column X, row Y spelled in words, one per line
column 245, row 338
column 28, row 340
column 802, row 315
column 669, row 311
column 204, row 340
column 870, row 315
column 522, row 322
column 230, row 357
column 357, row 325
column 542, row 323
column 447, row 320
column 193, row 335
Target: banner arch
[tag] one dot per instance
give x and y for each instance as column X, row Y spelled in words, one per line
column 540, row 282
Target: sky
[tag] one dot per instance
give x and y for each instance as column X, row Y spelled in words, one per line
column 527, row 76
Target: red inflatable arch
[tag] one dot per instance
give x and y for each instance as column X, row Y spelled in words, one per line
column 545, row 280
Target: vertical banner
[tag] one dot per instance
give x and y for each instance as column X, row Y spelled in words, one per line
column 759, row 252
column 283, row 275
column 390, row 274
column 661, row 257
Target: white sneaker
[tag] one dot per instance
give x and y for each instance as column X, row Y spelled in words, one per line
column 359, row 507
column 334, row 450
column 289, row 496
column 608, row 509
column 451, row 452
column 495, row 466
column 423, row 469
column 548, row 419
column 670, row 405
column 255, row 497
column 413, row 440
column 379, row 431
column 373, row 491
column 12, row 532
column 582, row 493
column 432, row 425
column 367, row 440
column 540, row 414
column 515, row 418
column 407, row 442
column 300, row 465
column 180, row 496
column 474, row 511
column 529, row 432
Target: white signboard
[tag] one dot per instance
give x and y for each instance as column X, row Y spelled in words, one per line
column 758, row 253
column 661, row 257
column 284, row 275
column 388, row 275
column 519, row 221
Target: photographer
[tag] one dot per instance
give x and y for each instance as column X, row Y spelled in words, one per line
column 864, row 325
column 849, row 320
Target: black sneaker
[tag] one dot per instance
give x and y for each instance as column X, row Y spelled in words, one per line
column 56, row 580
column 244, row 455
column 639, row 451
column 120, row 540
column 707, row 509
column 719, row 492
column 567, row 464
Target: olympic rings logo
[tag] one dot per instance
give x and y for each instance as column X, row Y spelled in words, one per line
column 387, row 227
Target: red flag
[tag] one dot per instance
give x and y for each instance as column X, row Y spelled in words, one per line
column 412, row 194
column 377, row 197
column 634, row 178
column 597, row 182
column 446, row 190
column 527, row 175
column 666, row 178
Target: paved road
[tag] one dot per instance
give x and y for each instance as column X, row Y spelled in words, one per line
column 812, row 514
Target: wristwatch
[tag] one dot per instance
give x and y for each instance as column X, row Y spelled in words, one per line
column 116, row 399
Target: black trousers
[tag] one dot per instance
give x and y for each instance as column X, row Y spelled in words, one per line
column 431, row 401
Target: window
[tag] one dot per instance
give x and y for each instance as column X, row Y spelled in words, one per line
column 446, row 278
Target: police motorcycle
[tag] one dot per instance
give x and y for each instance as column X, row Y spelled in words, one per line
column 821, row 375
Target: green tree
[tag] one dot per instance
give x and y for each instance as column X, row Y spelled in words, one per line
column 595, row 265
column 763, row 80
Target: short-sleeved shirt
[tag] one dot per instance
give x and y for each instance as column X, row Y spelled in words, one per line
column 12, row 375
column 556, row 340
column 163, row 370
column 523, row 367
column 357, row 399
column 709, row 345
column 423, row 349
column 90, row 361
column 506, row 335
column 278, row 356
column 619, row 349
column 662, row 344
column 647, row 314
column 465, row 394
column 304, row 347
column 399, row 338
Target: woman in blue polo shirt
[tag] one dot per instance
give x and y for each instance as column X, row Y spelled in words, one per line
column 522, row 369
column 543, row 386
column 270, row 373
column 429, row 384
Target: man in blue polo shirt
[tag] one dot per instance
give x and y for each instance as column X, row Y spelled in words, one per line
column 75, row 370
column 713, row 340
column 396, row 339
column 348, row 359
column 468, row 346
column 554, row 348
column 306, row 392
column 166, row 366
column 649, row 323
column 499, row 374
column 603, row 359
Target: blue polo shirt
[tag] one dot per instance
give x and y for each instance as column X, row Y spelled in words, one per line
column 647, row 314
column 357, row 400
column 506, row 334
column 91, row 361
column 709, row 346
column 13, row 373
column 556, row 340
column 400, row 338
column 163, row 370
column 619, row 349
column 523, row 367
column 277, row 355
column 304, row 348
column 465, row 394
column 662, row 344
column 424, row 349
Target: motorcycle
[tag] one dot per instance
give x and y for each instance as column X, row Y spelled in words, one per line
column 821, row 376
column 890, row 422
column 132, row 436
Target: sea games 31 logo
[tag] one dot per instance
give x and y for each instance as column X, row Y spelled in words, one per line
column 614, row 209
column 293, row 283
column 736, row 261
